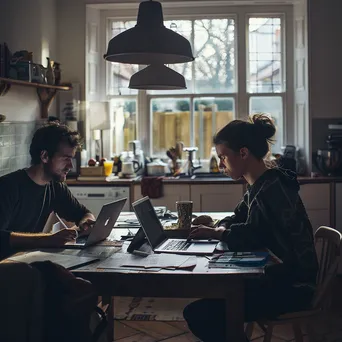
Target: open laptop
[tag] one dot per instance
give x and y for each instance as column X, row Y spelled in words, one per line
column 156, row 236
column 102, row 227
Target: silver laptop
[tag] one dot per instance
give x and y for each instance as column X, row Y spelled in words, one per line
column 102, row 227
column 156, row 237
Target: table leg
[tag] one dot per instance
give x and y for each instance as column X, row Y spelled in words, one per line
column 109, row 300
column 235, row 313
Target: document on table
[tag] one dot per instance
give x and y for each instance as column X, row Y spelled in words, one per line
column 166, row 261
column 67, row 261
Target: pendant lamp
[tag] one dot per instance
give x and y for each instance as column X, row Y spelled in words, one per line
column 149, row 42
column 157, row 77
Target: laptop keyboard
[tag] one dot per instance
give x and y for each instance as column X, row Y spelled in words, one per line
column 175, row 245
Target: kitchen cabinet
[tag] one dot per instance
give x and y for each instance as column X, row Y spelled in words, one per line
column 338, row 216
column 171, row 194
column 216, row 197
column 316, row 199
column 338, row 206
column 325, row 98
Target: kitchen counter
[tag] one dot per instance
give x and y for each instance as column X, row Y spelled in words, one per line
column 200, row 180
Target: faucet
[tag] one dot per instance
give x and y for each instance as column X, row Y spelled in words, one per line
column 191, row 167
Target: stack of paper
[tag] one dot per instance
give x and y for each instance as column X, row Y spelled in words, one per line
column 67, row 261
column 152, row 261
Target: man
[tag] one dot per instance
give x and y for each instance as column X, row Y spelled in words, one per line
column 28, row 196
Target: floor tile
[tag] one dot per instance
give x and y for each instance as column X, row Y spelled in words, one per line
column 179, row 325
column 182, row 338
column 158, row 330
column 138, row 338
column 274, row 339
column 121, row 330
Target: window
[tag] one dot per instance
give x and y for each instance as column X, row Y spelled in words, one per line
column 239, row 69
column 265, row 71
column 123, row 113
column 196, row 118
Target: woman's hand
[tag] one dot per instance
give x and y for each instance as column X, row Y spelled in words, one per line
column 204, row 220
column 204, row 232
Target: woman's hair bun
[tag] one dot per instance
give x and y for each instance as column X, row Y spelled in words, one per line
column 264, row 125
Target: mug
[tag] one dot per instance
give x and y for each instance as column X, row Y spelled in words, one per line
column 184, row 211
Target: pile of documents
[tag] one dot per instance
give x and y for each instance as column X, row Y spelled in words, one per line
column 152, row 261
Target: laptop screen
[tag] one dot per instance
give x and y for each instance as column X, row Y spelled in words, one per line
column 149, row 221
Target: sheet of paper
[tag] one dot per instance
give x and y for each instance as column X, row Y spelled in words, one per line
column 67, row 261
column 150, row 261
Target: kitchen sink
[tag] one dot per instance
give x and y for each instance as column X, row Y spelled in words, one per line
column 210, row 175
column 203, row 175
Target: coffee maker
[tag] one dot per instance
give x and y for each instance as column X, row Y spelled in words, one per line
column 329, row 161
column 138, row 155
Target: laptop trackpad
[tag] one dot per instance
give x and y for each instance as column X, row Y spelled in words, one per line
column 200, row 247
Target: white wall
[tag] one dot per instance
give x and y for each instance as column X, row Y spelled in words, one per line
column 27, row 25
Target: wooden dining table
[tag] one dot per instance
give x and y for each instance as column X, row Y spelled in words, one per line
column 200, row 282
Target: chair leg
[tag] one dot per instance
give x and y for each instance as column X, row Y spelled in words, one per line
column 268, row 333
column 310, row 332
column 249, row 330
column 297, row 332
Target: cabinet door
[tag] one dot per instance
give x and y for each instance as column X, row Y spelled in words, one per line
column 171, row 194
column 217, row 197
column 316, row 199
column 319, row 218
column 315, row 196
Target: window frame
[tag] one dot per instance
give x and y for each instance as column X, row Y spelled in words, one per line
column 208, row 10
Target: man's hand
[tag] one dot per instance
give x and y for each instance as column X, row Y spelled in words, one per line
column 86, row 224
column 204, row 232
column 60, row 238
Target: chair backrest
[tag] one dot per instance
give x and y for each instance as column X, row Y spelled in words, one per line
column 328, row 244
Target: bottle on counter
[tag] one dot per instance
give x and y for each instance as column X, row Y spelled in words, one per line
column 116, row 165
column 213, row 165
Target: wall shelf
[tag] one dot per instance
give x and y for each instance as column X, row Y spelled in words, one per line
column 46, row 92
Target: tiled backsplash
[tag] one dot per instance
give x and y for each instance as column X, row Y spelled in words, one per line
column 15, row 140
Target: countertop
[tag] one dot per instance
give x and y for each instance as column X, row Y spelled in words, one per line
column 189, row 181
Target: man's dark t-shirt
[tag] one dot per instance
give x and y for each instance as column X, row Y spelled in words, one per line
column 25, row 206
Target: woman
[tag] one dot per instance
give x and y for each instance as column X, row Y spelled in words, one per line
column 270, row 216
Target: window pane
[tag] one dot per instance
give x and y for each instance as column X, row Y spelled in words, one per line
column 124, row 118
column 171, row 123
column 183, row 27
column 210, row 115
column 215, row 55
column 274, row 107
column 264, row 55
column 120, row 74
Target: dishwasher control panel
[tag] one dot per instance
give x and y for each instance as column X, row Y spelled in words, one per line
column 94, row 197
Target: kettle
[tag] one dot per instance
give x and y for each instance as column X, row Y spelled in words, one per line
column 129, row 165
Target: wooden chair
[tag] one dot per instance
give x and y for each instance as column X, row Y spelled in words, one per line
column 328, row 243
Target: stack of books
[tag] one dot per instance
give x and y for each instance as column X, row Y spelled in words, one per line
column 239, row 259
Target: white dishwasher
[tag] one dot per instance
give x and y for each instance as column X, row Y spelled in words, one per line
column 94, row 197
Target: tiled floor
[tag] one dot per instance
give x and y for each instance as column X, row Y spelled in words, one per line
column 326, row 328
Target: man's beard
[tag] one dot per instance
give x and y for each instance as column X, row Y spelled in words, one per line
column 50, row 175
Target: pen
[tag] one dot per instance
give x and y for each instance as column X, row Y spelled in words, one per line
column 64, row 225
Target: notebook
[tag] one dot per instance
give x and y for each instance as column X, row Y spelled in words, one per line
column 239, row 259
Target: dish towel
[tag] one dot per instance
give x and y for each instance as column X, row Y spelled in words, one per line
column 152, row 187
